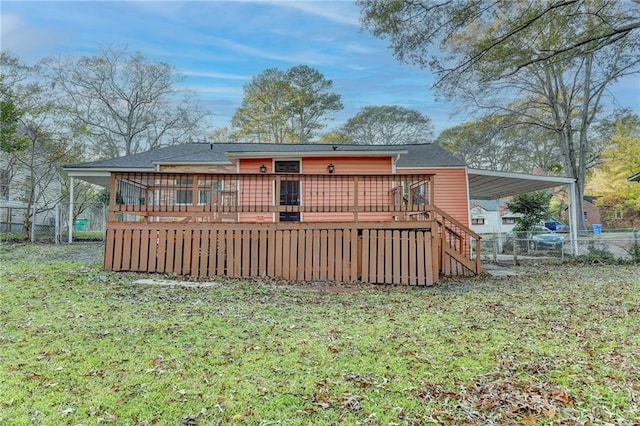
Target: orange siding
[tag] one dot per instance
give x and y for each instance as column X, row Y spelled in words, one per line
column 347, row 165
column 314, row 194
column 450, row 187
column 252, row 165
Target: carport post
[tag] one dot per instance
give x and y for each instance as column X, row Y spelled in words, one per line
column 71, row 209
column 573, row 210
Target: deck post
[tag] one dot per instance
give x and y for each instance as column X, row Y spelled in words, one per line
column 277, row 199
column 355, row 199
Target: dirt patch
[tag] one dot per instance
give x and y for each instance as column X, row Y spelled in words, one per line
column 88, row 253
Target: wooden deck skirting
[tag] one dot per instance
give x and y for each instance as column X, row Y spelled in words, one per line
column 382, row 253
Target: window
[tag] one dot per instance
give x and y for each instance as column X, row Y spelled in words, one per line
column 619, row 215
column 477, row 221
column 508, row 220
column 185, row 194
column 208, row 191
column 4, row 184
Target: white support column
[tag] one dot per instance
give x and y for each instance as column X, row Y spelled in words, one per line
column 71, row 182
column 573, row 210
column 56, row 238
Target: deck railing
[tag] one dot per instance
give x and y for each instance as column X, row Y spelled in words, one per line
column 265, row 197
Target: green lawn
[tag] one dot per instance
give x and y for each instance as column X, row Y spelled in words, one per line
column 558, row 345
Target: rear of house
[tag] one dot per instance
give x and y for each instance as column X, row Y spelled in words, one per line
column 378, row 214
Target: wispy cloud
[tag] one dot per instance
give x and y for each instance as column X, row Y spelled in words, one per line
column 216, row 75
column 19, row 35
column 333, row 11
column 306, row 56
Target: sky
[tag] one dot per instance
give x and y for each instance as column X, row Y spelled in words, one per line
column 219, row 46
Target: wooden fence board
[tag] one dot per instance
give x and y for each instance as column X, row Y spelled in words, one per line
column 171, row 237
column 380, row 260
column 178, row 251
column 354, row 256
column 145, row 240
column 422, row 259
column 286, row 252
column 331, row 255
column 339, row 244
column 322, row 255
column 161, row 250
column 191, row 250
column 413, row 258
column 255, row 254
column 218, row 247
column 117, row 251
column 292, row 266
column 198, row 257
column 388, row 258
column 279, row 235
column 108, row 249
column 300, row 267
column 365, row 255
column 308, row 255
column 152, row 264
column 397, row 276
column 374, row 241
column 135, row 250
column 271, row 257
column 228, row 253
column 263, row 253
column 404, row 258
column 246, row 258
column 125, row 262
column 237, row 253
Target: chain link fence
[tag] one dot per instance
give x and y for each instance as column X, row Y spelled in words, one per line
column 41, row 228
column 618, row 245
column 52, row 225
column 89, row 223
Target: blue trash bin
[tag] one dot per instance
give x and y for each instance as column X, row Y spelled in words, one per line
column 597, row 229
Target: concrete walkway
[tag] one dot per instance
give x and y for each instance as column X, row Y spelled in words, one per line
column 499, row 271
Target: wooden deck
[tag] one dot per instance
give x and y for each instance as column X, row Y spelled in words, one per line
column 381, row 229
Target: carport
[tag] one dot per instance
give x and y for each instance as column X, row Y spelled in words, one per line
column 492, row 185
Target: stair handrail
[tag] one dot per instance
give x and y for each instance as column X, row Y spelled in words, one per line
column 469, row 232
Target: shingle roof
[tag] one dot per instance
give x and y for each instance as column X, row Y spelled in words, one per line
column 428, row 155
column 423, row 155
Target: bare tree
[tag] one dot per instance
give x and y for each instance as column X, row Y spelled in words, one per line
column 124, row 103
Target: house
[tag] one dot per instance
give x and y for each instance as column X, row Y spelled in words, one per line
column 378, row 214
column 22, row 194
column 492, row 217
column 634, row 178
column 591, row 212
column 303, row 212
